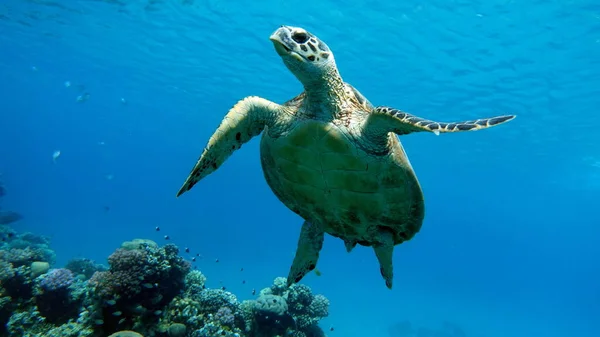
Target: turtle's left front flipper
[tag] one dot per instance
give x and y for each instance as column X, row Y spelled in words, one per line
column 384, row 119
column 247, row 119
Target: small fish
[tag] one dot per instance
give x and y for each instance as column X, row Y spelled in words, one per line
column 243, row 281
column 7, row 217
column 216, row 260
column 242, row 269
column 123, row 101
column 331, row 329
column 167, row 237
column 253, row 291
column 67, row 84
column 187, row 250
column 318, row 272
column 193, row 259
column 117, row 313
column 83, row 97
column 223, row 288
column 106, row 208
column 157, row 228
column 55, row 155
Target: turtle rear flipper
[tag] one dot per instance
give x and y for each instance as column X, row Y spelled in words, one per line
column 384, row 251
column 247, row 119
column 384, row 119
column 349, row 245
column 307, row 254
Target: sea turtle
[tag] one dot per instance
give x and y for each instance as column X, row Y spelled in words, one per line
column 331, row 156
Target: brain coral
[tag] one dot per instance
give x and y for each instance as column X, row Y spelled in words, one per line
column 139, row 283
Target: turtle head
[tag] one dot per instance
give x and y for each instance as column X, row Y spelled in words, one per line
column 305, row 55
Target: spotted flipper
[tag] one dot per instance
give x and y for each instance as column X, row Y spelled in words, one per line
column 385, row 119
column 384, row 251
column 307, row 253
column 244, row 121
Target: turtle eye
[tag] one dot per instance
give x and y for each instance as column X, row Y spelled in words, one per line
column 300, row 37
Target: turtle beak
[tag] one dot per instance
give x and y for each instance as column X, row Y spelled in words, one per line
column 281, row 40
column 281, row 48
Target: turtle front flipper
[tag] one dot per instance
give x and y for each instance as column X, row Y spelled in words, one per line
column 307, row 253
column 384, row 119
column 384, row 250
column 244, row 121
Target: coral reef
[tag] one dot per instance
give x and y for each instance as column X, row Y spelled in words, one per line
column 146, row 290
column 134, row 291
column 304, row 307
column 278, row 311
column 25, row 248
column 18, row 253
column 58, row 296
column 84, row 268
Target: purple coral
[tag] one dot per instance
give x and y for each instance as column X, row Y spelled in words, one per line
column 123, row 259
column 225, row 316
column 57, row 280
column 55, row 299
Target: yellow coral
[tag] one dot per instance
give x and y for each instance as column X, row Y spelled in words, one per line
column 137, row 244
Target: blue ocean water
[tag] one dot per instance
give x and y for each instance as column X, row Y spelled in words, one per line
column 511, row 241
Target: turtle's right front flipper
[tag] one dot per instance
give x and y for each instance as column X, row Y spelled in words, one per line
column 244, row 121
